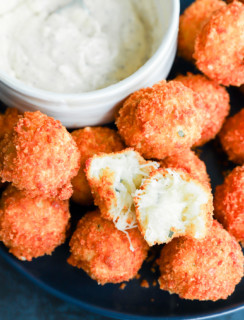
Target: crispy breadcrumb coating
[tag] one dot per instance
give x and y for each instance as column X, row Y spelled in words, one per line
column 113, row 179
column 216, row 104
column 219, row 47
column 202, row 270
column 170, row 203
column 40, row 157
column 188, row 162
column 91, row 141
column 162, row 120
column 191, row 22
column 229, row 203
column 8, row 120
column 104, row 252
column 32, row 227
column 232, row 137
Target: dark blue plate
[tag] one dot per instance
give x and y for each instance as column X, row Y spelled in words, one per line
column 134, row 302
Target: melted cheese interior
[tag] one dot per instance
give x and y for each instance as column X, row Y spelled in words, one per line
column 128, row 173
column 169, row 204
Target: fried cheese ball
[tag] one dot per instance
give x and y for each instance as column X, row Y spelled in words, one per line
column 40, row 157
column 32, row 227
column 170, row 203
column 232, row 137
column 188, row 162
column 113, row 179
column 229, row 203
column 103, row 251
column 162, row 120
column 207, row 269
column 191, row 22
column 219, row 47
column 216, row 104
column 8, row 120
column 91, row 141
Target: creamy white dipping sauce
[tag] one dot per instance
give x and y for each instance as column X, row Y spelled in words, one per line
column 71, row 49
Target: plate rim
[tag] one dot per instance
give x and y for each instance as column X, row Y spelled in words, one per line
column 104, row 311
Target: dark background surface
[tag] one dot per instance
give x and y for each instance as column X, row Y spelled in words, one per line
column 21, row 299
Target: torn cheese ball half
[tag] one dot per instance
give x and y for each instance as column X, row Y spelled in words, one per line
column 170, row 203
column 114, row 179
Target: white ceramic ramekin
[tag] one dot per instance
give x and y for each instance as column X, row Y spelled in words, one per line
column 98, row 107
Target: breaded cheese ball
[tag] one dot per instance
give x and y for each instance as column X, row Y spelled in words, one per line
column 113, row 179
column 162, row 120
column 170, row 203
column 215, row 100
column 91, row 141
column 219, row 47
column 103, row 251
column 191, row 22
column 8, row 120
column 207, row 269
column 32, row 227
column 40, row 157
column 188, row 162
column 232, row 137
column 229, row 203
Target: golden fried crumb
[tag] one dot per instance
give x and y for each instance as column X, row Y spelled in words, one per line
column 188, row 162
column 219, row 47
column 144, row 284
column 40, row 157
column 32, row 227
column 229, row 203
column 207, row 269
column 103, row 251
column 162, row 120
column 232, row 137
column 191, row 22
column 215, row 100
column 122, row 286
column 91, row 141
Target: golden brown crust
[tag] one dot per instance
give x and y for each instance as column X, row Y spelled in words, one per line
column 8, row 121
column 91, row 141
column 40, row 157
column 191, row 22
column 202, row 270
column 104, row 252
column 32, row 227
column 190, row 163
column 232, row 137
column 219, row 47
column 215, row 100
column 229, row 203
column 162, row 120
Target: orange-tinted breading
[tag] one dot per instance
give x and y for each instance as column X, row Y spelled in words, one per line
column 32, row 227
column 191, row 22
column 232, row 137
column 162, row 120
column 104, row 252
column 8, row 120
column 219, row 47
column 40, row 157
column 202, row 270
column 216, row 104
column 91, row 141
column 189, row 162
column 229, row 203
